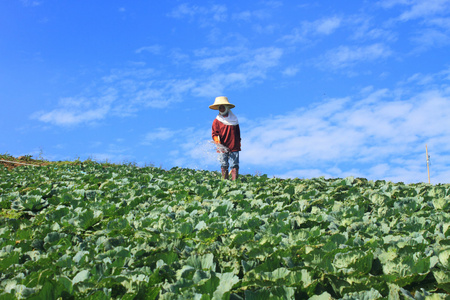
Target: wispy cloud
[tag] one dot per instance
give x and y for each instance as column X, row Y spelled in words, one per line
column 184, row 10
column 347, row 56
column 374, row 135
column 327, row 26
column 159, row 134
column 365, row 28
column 416, row 9
column 154, row 49
column 374, row 130
column 428, row 22
column 31, row 3
column 192, row 147
column 248, row 66
column 220, row 13
column 443, row 23
column 213, row 17
column 248, row 15
column 76, row 110
column 308, row 30
column 392, row 3
column 126, row 92
column 134, row 88
column 215, row 62
column 161, row 94
column 425, row 8
column 430, row 38
column 68, row 117
column 291, row 71
column 216, row 13
column 429, row 80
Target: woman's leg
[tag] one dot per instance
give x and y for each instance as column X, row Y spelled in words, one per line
column 223, row 159
column 234, row 162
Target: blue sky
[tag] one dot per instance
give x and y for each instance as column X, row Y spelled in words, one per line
column 321, row 88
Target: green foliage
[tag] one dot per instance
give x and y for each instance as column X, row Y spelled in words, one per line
column 106, row 231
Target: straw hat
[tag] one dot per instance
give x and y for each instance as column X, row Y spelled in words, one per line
column 221, row 101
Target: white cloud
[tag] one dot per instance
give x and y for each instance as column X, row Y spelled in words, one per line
column 273, row 3
column 248, row 66
column 73, row 111
column 184, row 10
column 154, row 49
column 265, row 29
column 219, row 13
column 68, row 117
column 441, row 22
column 432, row 81
column 31, row 3
column 159, row 94
column 251, row 15
column 126, row 76
column 308, row 30
column 134, row 88
column 161, row 134
column 428, row 26
column 420, row 79
column 430, row 38
column 365, row 28
column 192, row 148
column 291, row 71
column 417, row 8
column 346, row 56
column 217, row 83
column 213, row 63
column 374, row 137
column 327, row 26
column 391, row 3
column 205, row 15
column 425, row 8
column 146, row 88
column 263, row 59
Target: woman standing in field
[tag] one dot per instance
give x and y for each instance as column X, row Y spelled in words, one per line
column 227, row 136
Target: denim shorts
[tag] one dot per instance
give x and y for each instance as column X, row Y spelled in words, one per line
column 229, row 159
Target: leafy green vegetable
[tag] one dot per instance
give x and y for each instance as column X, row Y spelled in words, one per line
column 75, row 230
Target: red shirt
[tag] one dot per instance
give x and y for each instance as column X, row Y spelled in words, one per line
column 230, row 135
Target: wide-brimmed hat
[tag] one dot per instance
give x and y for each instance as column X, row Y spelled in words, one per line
column 221, row 101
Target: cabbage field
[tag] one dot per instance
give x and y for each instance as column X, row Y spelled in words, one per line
column 86, row 230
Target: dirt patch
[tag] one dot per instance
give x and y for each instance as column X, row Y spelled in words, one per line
column 12, row 162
